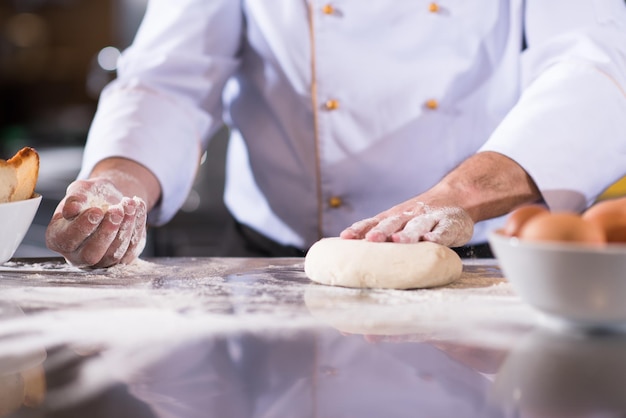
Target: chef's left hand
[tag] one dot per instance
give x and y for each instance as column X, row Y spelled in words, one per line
column 95, row 225
column 414, row 221
column 98, row 223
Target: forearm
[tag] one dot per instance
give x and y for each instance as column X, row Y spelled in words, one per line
column 130, row 178
column 486, row 185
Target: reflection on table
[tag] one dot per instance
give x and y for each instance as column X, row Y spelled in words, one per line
column 254, row 338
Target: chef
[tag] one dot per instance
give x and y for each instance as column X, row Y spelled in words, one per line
column 392, row 120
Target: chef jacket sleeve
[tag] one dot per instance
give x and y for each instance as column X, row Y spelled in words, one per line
column 568, row 130
column 166, row 100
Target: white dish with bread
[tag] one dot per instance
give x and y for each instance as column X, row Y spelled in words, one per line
column 18, row 200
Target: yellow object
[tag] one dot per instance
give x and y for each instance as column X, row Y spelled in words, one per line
column 433, row 7
column 432, row 104
column 335, row 202
column 18, row 175
column 328, row 9
column 332, row 104
column 617, row 189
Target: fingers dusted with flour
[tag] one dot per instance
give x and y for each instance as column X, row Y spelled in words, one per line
column 450, row 226
column 485, row 186
column 121, row 237
column 94, row 225
column 137, row 236
column 413, row 221
column 101, row 222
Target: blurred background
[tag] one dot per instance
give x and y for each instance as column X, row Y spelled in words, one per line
column 55, row 58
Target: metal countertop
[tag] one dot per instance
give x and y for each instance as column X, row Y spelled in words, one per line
column 234, row 337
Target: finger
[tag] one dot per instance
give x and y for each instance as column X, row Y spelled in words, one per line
column 65, row 236
column 80, row 196
column 138, row 239
column 72, row 206
column 451, row 232
column 440, row 237
column 95, row 247
column 358, row 229
column 415, row 229
column 385, row 228
column 120, row 244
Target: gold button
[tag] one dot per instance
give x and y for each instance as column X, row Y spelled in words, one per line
column 433, row 7
column 328, row 9
column 331, row 104
column 335, row 202
column 432, row 104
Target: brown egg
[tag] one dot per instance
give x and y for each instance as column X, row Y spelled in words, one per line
column 562, row 227
column 518, row 217
column 610, row 215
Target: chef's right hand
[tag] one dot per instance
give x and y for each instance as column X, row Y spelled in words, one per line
column 413, row 221
column 96, row 226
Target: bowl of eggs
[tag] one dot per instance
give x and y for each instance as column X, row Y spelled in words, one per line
column 569, row 266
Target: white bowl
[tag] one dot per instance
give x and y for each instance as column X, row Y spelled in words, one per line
column 15, row 219
column 584, row 285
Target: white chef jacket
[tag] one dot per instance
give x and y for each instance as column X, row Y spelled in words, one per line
column 340, row 110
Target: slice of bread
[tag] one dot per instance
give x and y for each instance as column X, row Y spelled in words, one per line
column 8, row 181
column 26, row 164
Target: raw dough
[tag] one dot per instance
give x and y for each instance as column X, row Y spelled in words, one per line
column 365, row 264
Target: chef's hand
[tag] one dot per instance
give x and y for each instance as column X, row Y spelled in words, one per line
column 95, row 225
column 486, row 185
column 414, row 221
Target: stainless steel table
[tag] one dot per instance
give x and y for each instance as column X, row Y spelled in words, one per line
column 229, row 337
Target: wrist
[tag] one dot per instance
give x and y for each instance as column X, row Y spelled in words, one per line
column 486, row 185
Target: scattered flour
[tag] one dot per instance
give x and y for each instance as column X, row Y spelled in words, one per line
column 97, row 201
column 137, row 313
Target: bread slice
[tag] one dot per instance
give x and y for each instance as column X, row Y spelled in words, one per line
column 8, row 181
column 26, row 165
